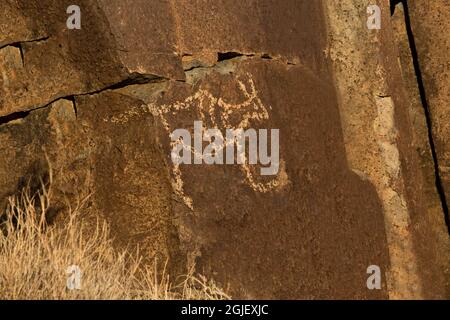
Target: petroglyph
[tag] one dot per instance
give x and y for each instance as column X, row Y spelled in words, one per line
column 221, row 114
column 217, row 113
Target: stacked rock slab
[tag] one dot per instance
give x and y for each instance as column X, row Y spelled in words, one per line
column 430, row 22
column 422, row 142
column 98, row 105
column 380, row 144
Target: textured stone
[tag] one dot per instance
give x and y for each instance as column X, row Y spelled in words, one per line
column 434, row 224
column 96, row 107
column 291, row 235
column 378, row 137
column 430, row 22
column 62, row 64
column 16, row 27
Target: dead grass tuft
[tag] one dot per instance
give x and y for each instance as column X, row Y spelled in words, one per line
column 35, row 257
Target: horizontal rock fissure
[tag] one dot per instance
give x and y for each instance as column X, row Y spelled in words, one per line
column 222, row 56
column 424, row 100
column 19, row 43
column 14, row 116
column 133, row 79
column 235, row 56
column 219, row 62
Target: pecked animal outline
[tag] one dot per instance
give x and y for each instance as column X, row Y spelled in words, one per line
column 250, row 110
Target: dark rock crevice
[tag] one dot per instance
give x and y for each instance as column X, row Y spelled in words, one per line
column 133, row 79
column 222, row 56
column 13, row 116
column 424, row 101
column 19, row 43
column 74, row 104
column 225, row 57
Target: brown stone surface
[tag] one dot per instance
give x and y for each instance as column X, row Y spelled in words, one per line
column 433, row 222
column 16, row 27
column 297, row 239
column 430, row 22
column 70, row 62
column 99, row 105
column 378, row 137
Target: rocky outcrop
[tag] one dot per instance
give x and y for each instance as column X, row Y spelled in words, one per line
column 381, row 136
column 433, row 68
column 355, row 183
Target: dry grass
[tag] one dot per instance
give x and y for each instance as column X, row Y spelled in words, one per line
column 35, row 256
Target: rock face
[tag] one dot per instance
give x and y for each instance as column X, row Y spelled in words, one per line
column 355, row 185
column 433, row 62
